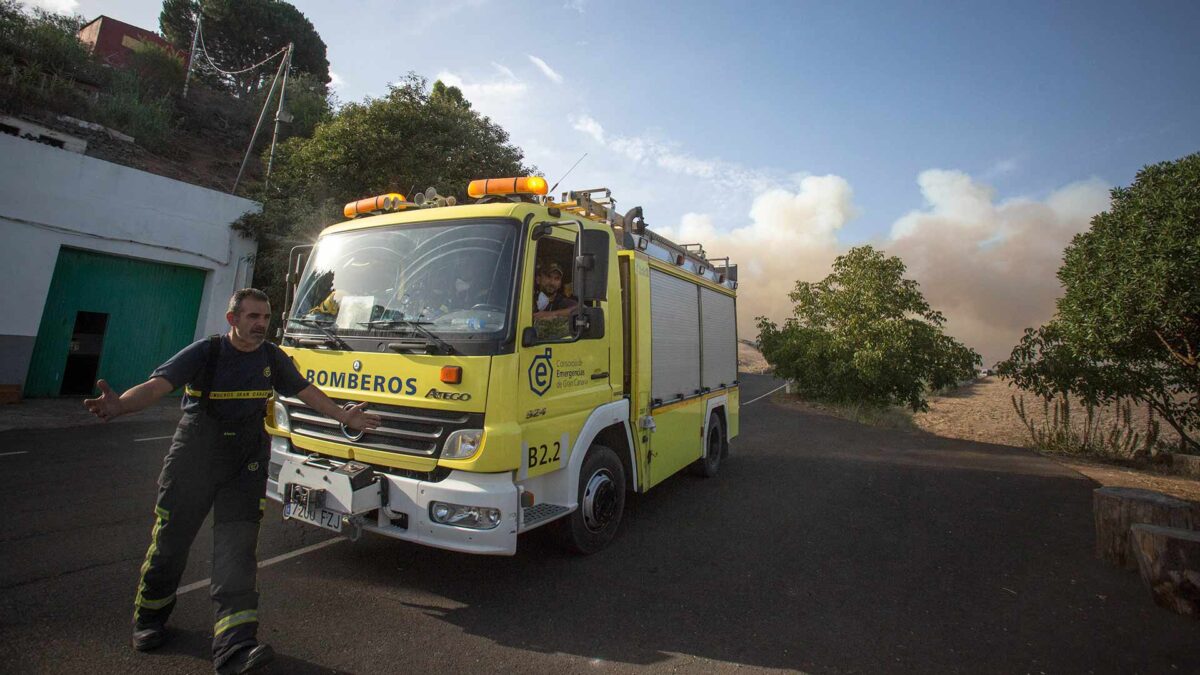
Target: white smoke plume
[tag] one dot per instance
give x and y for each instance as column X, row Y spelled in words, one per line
column 988, row 266
column 791, row 236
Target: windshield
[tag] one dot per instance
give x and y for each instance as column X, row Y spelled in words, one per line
column 450, row 278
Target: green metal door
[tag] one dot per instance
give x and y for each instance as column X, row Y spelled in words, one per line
column 151, row 313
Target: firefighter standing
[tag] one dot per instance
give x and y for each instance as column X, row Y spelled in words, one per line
column 218, row 460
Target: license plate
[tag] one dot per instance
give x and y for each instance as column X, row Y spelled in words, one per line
column 330, row 520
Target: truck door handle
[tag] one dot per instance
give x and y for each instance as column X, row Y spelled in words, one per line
column 599, row 376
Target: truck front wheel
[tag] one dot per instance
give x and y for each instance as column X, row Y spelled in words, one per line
column 593, row 523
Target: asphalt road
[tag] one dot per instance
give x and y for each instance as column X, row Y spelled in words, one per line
column 822, row 546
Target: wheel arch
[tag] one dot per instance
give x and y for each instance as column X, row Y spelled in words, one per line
column 716, row 407
column 608, row 425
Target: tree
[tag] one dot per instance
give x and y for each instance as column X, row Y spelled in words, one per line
column 1128, row 324
column 408, row 139
column 865, row 334
column 240, row 33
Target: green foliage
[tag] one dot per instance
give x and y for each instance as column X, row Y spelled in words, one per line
column 1128, row 324
column 404, row 140
column 870, row 414
column 865, row 334
column 240, row 33
column 126, row 108
column 306, row 100
column 160, row 71
column 41, row 60
column 448, row 95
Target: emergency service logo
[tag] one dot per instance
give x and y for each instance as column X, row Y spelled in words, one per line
column 351, row 434
column 541, row 373
column 267, row 371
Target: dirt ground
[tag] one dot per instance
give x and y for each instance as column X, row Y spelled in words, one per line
column 750, row 360
column 983, row 411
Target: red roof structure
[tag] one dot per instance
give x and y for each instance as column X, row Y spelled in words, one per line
column 113, row 41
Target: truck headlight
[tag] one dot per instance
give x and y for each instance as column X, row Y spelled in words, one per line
column 281, row 417
column 462, row 444
column 474, row 517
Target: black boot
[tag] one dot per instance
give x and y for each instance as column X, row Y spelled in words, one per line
column 146, row 638
column 247, row 659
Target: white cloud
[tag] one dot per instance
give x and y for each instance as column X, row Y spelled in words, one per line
column 497, row 98
column 648, row 151
column 588, row 125
column 504, row 70
column 335, row 81
column 422, row 15
column 1002, row 168
column 546, row 69
column 577, row 5
column 60, row 6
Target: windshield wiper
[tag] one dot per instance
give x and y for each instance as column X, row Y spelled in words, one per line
column 333, row 338
column 416, row 325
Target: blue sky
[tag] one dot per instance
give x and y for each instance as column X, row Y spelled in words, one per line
column 696, row 110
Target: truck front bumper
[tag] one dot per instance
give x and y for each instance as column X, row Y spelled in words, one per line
column 405, row 514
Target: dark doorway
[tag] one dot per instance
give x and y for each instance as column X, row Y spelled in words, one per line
column 83, row 355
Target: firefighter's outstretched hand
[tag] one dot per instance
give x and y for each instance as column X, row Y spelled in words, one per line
column 358, row 418
column 107, row 406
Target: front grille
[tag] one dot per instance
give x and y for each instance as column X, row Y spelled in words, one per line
column 403, row 429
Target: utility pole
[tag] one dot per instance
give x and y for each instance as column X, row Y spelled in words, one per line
column 261, row 116
column 192, row 54
column 281, row 115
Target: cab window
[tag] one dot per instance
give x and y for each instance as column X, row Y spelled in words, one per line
column 553, row 299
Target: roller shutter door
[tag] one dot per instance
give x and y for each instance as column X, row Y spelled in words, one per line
column 719, row 339
column 675, row 325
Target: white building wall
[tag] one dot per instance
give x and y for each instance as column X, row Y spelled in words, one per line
column 50, row 198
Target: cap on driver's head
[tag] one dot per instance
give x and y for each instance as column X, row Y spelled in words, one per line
column 552, row 268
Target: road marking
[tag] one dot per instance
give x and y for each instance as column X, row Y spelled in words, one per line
column 19, row 452
column 277, row 559
column 764, row 395
column 152, row 438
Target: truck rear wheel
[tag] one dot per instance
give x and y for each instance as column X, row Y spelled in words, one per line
column 593, row 524
column 714, row 447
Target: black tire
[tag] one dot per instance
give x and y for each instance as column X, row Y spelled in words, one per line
column 714, row 448
column 593, row 524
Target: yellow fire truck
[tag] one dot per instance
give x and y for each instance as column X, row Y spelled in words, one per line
column 505, row 406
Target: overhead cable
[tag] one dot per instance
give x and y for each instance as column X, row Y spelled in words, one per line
column 227, row 73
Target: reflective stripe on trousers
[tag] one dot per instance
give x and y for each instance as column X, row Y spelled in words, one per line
column 217, row 466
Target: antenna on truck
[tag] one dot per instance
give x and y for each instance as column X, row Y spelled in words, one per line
column 568, row 173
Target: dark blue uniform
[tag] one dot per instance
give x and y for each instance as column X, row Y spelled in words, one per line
column 217, row 461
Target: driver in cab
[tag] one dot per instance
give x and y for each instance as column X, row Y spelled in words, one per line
column 550, row 301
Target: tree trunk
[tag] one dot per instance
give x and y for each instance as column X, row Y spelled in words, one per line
column 1169, row 561
column 1117, row 508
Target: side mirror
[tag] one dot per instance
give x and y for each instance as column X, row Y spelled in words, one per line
column 296, row 260
column 591, row 265
column 529, row 336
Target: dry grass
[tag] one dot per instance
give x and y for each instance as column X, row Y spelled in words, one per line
column 750, row 360
column 983, row 411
